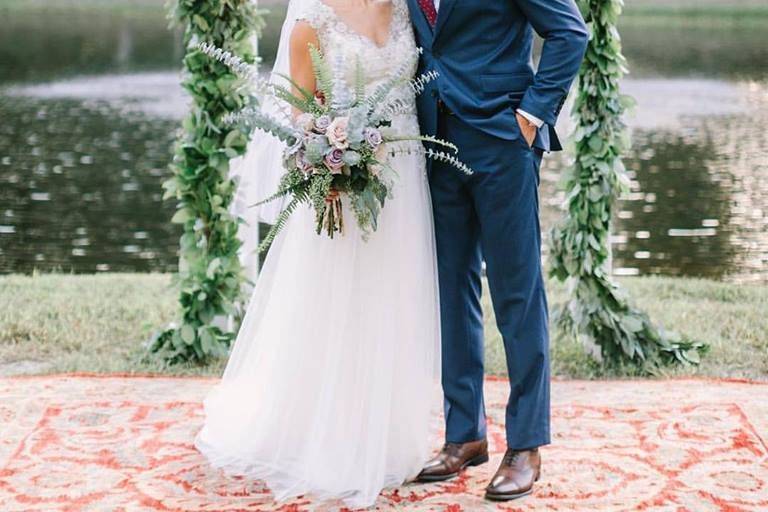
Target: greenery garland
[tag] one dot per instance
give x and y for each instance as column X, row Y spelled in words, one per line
column 210, row 275
column 598, row 313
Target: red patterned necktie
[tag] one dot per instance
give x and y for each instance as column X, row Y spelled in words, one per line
column 428, row 6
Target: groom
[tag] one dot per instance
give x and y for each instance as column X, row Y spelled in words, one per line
column 490, row 103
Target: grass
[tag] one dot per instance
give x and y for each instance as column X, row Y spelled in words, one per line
column 96, row 323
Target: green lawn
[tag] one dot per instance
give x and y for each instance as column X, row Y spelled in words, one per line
column 97, row 323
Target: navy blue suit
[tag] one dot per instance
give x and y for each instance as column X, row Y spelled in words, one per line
column 482, row 52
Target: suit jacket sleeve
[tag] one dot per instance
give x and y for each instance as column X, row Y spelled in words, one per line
column 565, row 35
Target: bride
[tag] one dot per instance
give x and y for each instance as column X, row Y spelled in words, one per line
column 335, row 373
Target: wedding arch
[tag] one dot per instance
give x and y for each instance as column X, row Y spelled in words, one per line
column 210, row 277
column 598, row 312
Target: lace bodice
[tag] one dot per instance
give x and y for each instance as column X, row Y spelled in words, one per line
column 342, row 44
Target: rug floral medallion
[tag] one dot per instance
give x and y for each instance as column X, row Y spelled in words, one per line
column 83, row 443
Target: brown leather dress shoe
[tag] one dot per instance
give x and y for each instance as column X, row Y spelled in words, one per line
column 518, row 471
column 452, row 459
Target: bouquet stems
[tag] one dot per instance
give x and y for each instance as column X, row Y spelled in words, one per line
column 331, row 220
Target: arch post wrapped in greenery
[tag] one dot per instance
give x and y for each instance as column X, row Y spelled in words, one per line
column 210, row 276
column 598, row 313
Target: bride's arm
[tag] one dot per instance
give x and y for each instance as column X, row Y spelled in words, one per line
column 302, row 37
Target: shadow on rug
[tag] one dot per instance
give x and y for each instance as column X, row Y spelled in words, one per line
column 111, row 443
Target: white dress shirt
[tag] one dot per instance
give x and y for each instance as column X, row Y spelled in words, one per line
column 538, row 123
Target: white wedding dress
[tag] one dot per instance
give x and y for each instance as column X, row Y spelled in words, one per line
column 335, row 373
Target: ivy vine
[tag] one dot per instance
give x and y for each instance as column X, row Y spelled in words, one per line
column 598, row 312
column 210, row 276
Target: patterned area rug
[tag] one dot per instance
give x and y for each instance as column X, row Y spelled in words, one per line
column 125, row 444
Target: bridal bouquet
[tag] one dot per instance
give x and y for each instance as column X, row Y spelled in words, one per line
column 337, row 143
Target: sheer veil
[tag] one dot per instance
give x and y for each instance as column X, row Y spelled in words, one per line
column 258, row 171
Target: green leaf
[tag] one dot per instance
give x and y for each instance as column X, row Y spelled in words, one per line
column 213, row 266
column 181, row 216
column 201, row 23
column 187, row 334
column 207, row 341
column 693, row 355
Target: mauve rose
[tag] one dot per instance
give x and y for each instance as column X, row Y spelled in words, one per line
column 335, row 160
column 322, row 123
column 306, row 122
column 337, row 133
column 373, row 137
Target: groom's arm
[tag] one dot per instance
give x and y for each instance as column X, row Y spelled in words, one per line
column 565, row 35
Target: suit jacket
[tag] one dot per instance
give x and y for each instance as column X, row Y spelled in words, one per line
column 482, row 52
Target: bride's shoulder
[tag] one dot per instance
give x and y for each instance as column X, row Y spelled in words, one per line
column 314, row 12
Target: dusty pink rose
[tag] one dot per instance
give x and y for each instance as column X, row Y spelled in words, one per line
column 337, row 133
column 381, row 154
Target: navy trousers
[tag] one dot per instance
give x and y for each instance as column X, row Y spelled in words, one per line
column 492, row 215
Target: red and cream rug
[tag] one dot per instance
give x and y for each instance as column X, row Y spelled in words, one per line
column 79, row 443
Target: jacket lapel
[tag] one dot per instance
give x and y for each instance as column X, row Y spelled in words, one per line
column 446, row 6
column 419, row 20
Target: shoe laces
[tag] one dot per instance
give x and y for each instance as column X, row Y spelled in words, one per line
column 511, row 457
column 451, row 448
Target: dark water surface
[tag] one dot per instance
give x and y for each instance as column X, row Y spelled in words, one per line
column 89, row 102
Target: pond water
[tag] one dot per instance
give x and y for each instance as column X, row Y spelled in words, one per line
column 90, row 103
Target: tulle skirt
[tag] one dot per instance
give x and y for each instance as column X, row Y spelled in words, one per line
column 335, row 373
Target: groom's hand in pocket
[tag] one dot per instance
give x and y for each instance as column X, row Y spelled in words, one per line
column 527, row 128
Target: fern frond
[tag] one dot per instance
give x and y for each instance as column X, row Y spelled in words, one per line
column 323, row 73
column 282, row 219
column 308, row 96
column 277, row 195
column 286, row 95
